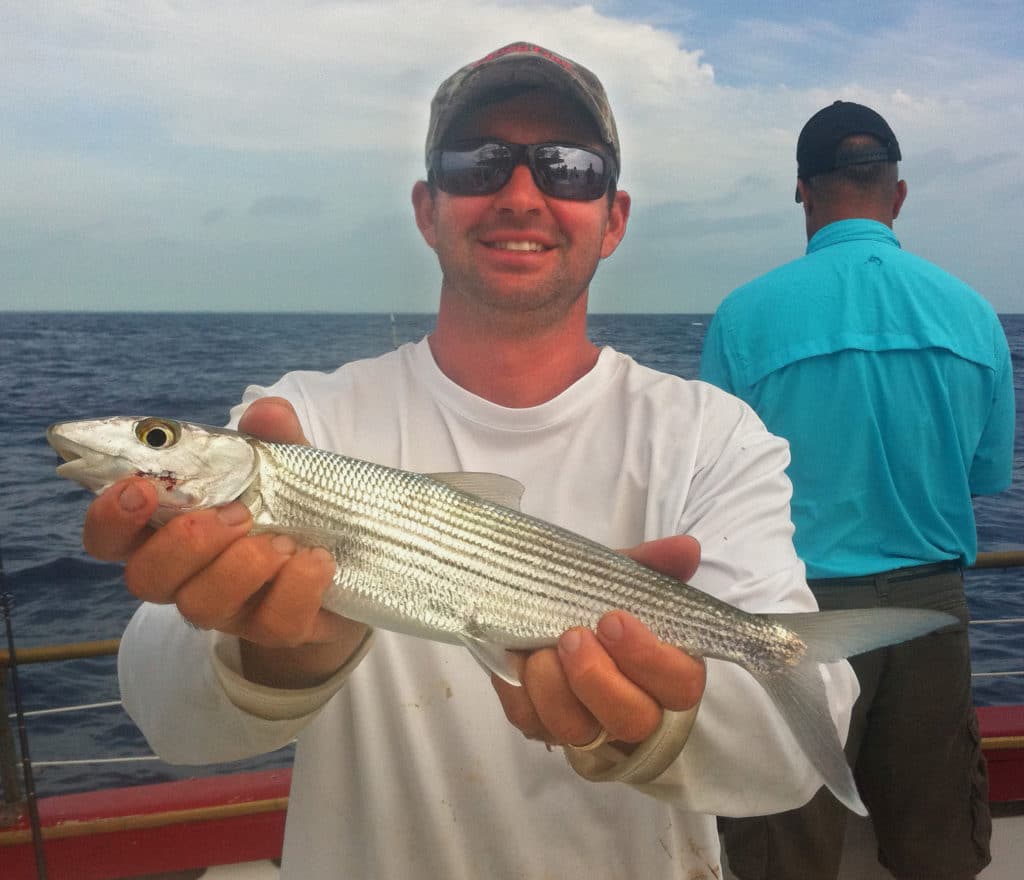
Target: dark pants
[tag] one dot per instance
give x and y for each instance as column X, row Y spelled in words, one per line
column 913, row 744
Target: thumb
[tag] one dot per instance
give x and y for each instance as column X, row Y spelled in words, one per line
column 677, row 555
column 273, row 419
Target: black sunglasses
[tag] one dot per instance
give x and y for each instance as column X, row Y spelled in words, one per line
column 564, row 171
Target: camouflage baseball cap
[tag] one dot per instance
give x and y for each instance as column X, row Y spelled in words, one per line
column 520, row 64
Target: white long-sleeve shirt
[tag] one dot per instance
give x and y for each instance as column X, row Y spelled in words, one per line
column 410, row 769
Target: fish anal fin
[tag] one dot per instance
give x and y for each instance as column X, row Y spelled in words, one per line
column 493, row 658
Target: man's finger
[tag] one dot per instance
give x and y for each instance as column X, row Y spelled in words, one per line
column 673, row 678
column 179, row 550
column 273, row 419
column 116, row 521
column 216, row 594
column 677, row 555
column 557, row 706
column 625, row 709
column 287, row 612
column 516, row 703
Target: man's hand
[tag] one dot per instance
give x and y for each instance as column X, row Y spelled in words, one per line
column 619, row 678
column 265, row 589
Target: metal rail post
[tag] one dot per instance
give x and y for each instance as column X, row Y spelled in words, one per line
column 9, row 778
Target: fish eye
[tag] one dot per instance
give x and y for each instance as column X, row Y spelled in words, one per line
column 157, row 433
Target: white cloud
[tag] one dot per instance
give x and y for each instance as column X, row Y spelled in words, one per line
column 166, row 121
column 267, row 75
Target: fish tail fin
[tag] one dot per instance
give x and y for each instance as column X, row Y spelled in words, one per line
column 799, row 692
column 836, row 635
column 800, row 696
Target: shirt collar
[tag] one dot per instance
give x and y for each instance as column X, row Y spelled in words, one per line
column 851, row 230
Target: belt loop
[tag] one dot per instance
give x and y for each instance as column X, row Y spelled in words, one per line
column 882, row 587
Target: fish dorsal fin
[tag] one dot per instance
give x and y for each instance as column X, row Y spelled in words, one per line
column 495, row 488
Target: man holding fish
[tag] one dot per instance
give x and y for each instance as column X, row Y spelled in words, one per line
column 405, row 765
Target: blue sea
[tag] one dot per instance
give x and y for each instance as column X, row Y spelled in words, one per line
column 55, row 367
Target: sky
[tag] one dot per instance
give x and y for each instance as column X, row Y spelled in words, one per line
column 196, row 155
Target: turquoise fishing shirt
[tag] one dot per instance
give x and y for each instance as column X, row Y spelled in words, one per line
column 892, row 381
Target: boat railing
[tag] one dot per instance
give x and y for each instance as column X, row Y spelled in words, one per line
column 109, row 647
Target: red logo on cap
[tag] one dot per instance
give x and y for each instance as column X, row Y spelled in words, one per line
column 516, row 48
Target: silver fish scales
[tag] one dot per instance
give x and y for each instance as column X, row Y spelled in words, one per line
column 459, row 564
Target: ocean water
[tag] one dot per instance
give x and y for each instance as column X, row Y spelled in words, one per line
column 55, row 367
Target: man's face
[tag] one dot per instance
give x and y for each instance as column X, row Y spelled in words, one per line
column 519, row 249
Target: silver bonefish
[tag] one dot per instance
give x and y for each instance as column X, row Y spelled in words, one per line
column 450, row 557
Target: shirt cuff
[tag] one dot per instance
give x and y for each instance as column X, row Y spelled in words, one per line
column 275, row 704
column 647, row 762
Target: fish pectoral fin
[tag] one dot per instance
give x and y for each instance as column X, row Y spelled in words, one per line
column 495, row 488
column 335, row 543
column 493, row 658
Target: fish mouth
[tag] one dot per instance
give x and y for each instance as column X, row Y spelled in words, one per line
column 65, row 447
column 80, row 469
column 80, row 463
column 72, row 467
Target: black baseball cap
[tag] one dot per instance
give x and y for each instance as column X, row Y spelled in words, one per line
column 817, row 150
column 520, row 65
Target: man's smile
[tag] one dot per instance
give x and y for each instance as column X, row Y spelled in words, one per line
column 532, row 246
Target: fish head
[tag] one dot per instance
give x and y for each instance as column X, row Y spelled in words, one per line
column 191, row 466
